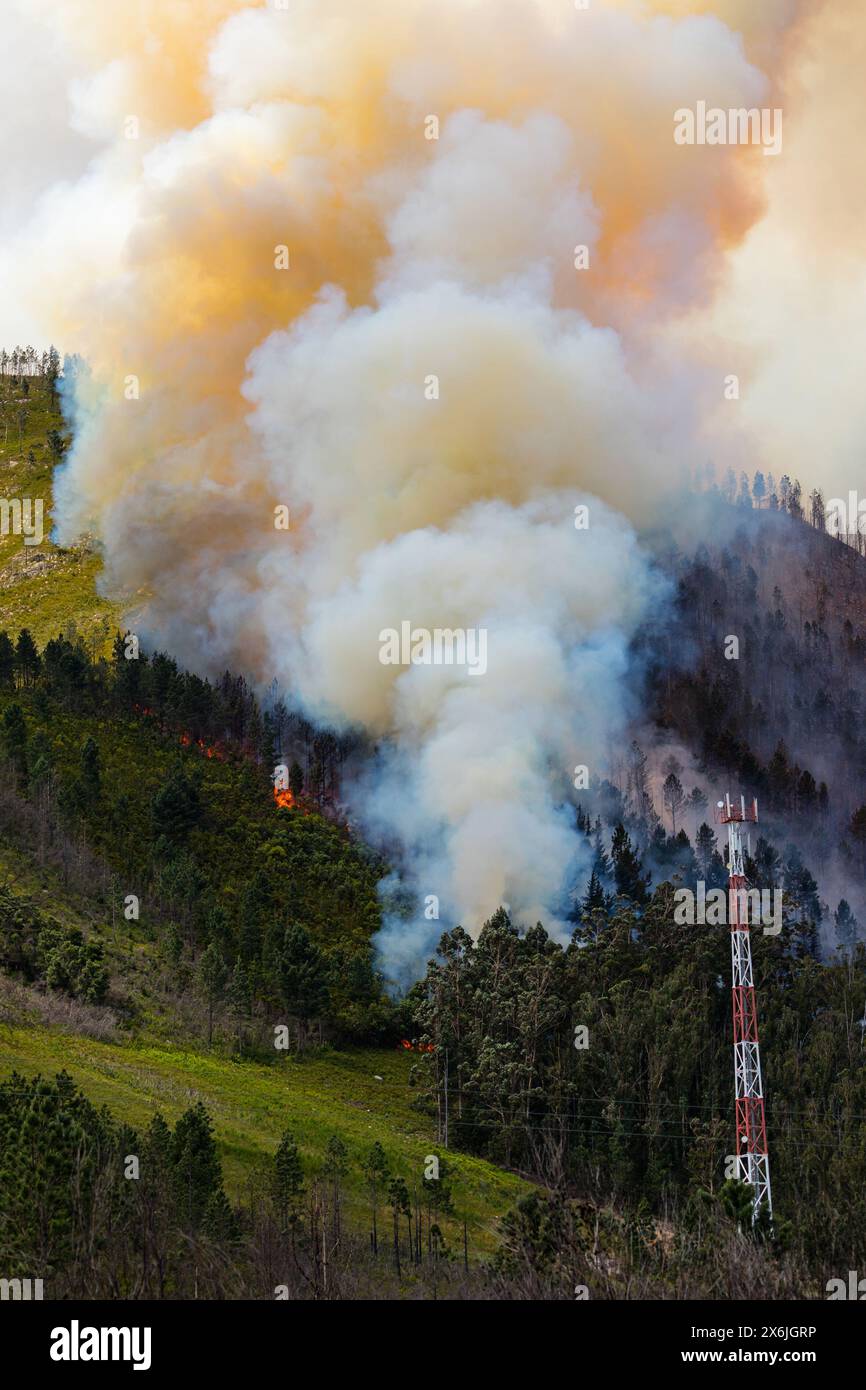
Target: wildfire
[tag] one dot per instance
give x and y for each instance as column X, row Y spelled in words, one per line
column 186, row 740
column 283, row 797
column 417, row 1046
column 209, row 750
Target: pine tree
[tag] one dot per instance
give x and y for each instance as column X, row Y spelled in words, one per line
column 7, row 662
column 240, row 996
column 219, row 1221
column 27, row 660
column 196, row 1173
column 13, row 732
column 212, row 979
column 41, row 761
column 705, row 848
column 398, row 1200
column 857, row 829
column 697, row 803
column 601, row 859
column 176, row 808
column 846, row 925
column 593, row 899
column 296, row 779
column 767, row 862
column 287, row 1184
column 377, row 1174
column 627, row 867
column 638, row 788
column 303, row 978
column 157, row 1147
column 779, row 775
column 91, row 779
column 674, row 798
column 51, row 1139
column 335, row 1168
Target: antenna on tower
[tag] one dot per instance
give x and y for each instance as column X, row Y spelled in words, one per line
column 753, row 1160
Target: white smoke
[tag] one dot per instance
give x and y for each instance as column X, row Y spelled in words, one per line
column 432, row 387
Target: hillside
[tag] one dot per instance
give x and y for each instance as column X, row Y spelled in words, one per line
column 140, row 1049
column 42, row 586
column 164, row 918
column 782, row 716
column 361, row 1096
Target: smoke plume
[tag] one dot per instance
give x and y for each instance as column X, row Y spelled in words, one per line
column 412, row 271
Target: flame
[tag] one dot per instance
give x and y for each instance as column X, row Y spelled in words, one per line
column 284, row 798
column 417, row 1046
column 209, row 750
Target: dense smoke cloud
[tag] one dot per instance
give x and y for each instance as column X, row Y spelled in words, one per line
column 431, row 386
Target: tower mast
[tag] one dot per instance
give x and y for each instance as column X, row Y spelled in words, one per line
column 752, row 1158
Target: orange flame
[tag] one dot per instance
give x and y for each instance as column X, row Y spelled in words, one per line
column 208, row 750
column 284, row 798
column 417, row 1046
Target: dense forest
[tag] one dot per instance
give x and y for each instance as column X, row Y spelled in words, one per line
column 158, row 785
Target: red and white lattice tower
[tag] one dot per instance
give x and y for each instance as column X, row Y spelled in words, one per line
column 752, row 1157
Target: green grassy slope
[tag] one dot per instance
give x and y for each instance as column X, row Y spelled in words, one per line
column 251, row 1105
column 42, row 587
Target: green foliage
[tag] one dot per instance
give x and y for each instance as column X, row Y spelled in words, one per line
column 336, row 1163
column 196, row 1174
column 398, row 1198
column 212, row 978
column 439, row 1191
column 376, row 1168
column 53, row 1145
column 39, row 948
column 219, row 1221
column 176, row 808
column 27, row 660
column 630, row 882
column 303, row 977
column 7, row 662
column 14, row 740
column 287, row 1184
column 69, row 963
column 647, row 1102
column 90, row 769
column 152, row 769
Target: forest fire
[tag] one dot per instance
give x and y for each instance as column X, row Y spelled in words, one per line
column 408, row 1046
column 209, row 750
column 284, row 798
